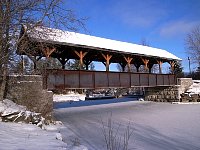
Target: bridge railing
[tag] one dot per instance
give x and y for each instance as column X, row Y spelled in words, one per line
column 82, row 79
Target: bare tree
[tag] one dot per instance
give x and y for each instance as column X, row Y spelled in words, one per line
column 144, row 42
column 192, row 43
column 32, row 13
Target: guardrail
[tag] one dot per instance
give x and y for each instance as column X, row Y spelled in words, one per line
column 82, row 79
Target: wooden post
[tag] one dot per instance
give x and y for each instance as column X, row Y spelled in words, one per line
column 87, row 63
column 81, row 55
column 34, row 59
column 172, row 63
column 145, row 61
column 48, row 51
column 150, row 67
column 63, row 61
column 107, row 57
column 137, row 65
column 23, row 64
column 128, row 60
column 123, row 65
column 34, row 64
column 160, row 65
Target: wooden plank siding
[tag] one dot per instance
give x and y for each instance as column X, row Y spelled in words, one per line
column 82, row 79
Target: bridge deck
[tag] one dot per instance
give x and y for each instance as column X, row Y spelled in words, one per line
column 82, row 79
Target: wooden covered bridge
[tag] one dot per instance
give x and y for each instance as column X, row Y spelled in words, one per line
column 63, row 45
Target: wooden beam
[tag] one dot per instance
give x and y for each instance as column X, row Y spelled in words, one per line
column 87, row 63
column 63, row 61
column 172, row 64
column 48, row 51
column 37, row 59
column 137, row 65
column 150, row 65
column 145, row 61
column 123, row 65
column 107, row 57
column 160, row 65
column 81, row 55
column 104, row 63
column 128, row 60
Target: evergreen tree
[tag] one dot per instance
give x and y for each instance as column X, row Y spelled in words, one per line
column 178, row 69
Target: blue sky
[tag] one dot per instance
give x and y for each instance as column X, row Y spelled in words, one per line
column 163, row 23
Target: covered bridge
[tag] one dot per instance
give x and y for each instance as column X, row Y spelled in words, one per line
column 65, row 45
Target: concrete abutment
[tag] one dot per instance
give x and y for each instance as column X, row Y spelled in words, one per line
column 168, row 93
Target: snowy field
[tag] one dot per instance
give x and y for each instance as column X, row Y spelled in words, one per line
column 156, row 126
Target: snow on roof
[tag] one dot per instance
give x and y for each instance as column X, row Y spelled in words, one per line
column 72, row 38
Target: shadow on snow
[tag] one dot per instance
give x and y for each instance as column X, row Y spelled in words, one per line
column 68, row 104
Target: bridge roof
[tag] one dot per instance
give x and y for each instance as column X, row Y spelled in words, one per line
column 91, row 42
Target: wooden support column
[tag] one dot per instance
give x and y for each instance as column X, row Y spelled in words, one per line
column 123, row 65
column 172, row 64
column 34, row 60
column 145, row 61
column 137, row 65
column 160, row 65
column 128, row 60
column 63, row 61
column 48, row 51
column 87, row 63
column 107, row 57
column 150, row 67
column 81, row 55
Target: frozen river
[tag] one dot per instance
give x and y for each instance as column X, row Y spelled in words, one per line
column 155, row 126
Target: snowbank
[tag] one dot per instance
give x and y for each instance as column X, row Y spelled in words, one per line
column 11, row 112
column 194, row 88
column 20, row 136
column 68, row 97
column 15, row 134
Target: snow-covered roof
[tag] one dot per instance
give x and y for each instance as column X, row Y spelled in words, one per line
column 77, row 39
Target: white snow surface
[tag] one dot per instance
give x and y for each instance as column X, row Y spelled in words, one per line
column 72, row 38
column 8, row 107
column 68, row 97
column 21, row 136
column 194, row 88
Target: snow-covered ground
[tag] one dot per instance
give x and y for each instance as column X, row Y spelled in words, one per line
column 194, row 88
column 22, row 136
column 11, row 112
column 68, row 97
column 156, row 126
